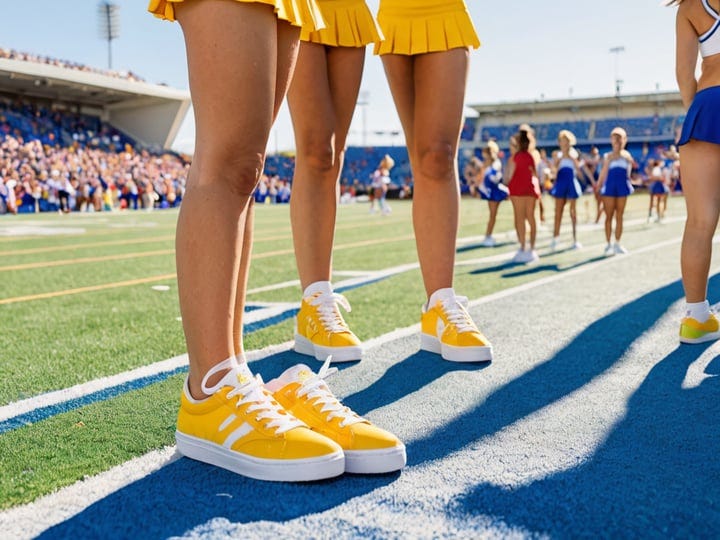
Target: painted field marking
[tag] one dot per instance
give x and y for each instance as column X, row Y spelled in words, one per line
column 91, row 288
column 15, row 414
column 50, row 249
column 68, row 262
column 49, row 510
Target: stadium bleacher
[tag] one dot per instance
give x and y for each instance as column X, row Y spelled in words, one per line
column 650, row 128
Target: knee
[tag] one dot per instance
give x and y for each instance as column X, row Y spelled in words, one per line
column 319, row 156
column 235, row 169
column 702, row 223
column 436, row 161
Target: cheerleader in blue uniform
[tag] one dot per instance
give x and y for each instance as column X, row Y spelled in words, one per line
column 492, row 189
column 697, row 30
column 615, row 187
column 659, row 188
column 566, row 187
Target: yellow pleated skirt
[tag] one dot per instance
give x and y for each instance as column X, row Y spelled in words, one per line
column 422, row 26
column 304, row 13
column 348, row 23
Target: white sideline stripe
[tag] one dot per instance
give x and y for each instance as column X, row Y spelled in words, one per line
column 275, row 286
column 81, row 390
column 572, row 272
column 32, row 519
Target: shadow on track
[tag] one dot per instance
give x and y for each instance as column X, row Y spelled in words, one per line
column 522, row 269
column 591, row 353
column 669, row 437
column 186, row 494
column 656, row 476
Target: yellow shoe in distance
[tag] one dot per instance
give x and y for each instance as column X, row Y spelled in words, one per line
column 240, row 427
column 693, row 331
column 320, row 329
column 448, row 330
column 368, row 449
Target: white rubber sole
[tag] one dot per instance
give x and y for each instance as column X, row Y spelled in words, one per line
column 713, row 336
column 455, row 354
column 272, row 470
column 339, row 354
column 379, row 461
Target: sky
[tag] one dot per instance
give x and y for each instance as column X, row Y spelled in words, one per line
column 530, row 51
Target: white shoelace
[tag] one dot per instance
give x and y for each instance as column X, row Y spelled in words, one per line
column 316, row 389
column 329, row 314
column 252, row 392
column 457, row 314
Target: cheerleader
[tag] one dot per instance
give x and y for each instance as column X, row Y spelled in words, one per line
column 614, row 185
column 492, row 189
column 380, row 183
column 659, row 189
column 566, row 188
column 322, row 98
column 524, row 193
column 540, row 166
column 425, row 54
column 697, row 30
column 240, row 56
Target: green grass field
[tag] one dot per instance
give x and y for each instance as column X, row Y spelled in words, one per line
column 77, row 303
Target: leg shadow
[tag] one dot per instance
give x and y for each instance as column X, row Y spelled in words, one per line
column 656, row 476
column 186, row 494
column 591, row 353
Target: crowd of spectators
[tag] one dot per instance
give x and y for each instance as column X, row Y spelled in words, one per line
column 36, row 177
column 52, row 159
column 55, row 160
column 12, row 54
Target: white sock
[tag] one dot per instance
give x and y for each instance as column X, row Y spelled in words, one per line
column 318, row 287
column 440, row 294
column 700, row 311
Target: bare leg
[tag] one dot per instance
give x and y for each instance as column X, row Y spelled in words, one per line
column 559, row 209
column 493, row 207
column 619, row 213
column 519, row 216
column 530, row 203
column 233, row 123
column 650, row 207
column 662, row 206
column 322, row 99
column 287, row 45
column 609, row 205
column 573, row 218
column 700, row 174
column 599, row 205
column 432, row 129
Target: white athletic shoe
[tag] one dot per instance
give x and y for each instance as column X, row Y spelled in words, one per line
column 489, row 241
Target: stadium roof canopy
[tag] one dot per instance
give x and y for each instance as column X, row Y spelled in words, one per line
column 587, row 107
column 149, row 113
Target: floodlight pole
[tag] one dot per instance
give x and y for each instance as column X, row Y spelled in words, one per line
column 109, row 25
column 618, row 81
column 364, row 101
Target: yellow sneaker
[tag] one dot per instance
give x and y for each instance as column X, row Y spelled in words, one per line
column 693, row 331
column 240, row 427
column 447, row 329
column 368, row 449
column 320, row 329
